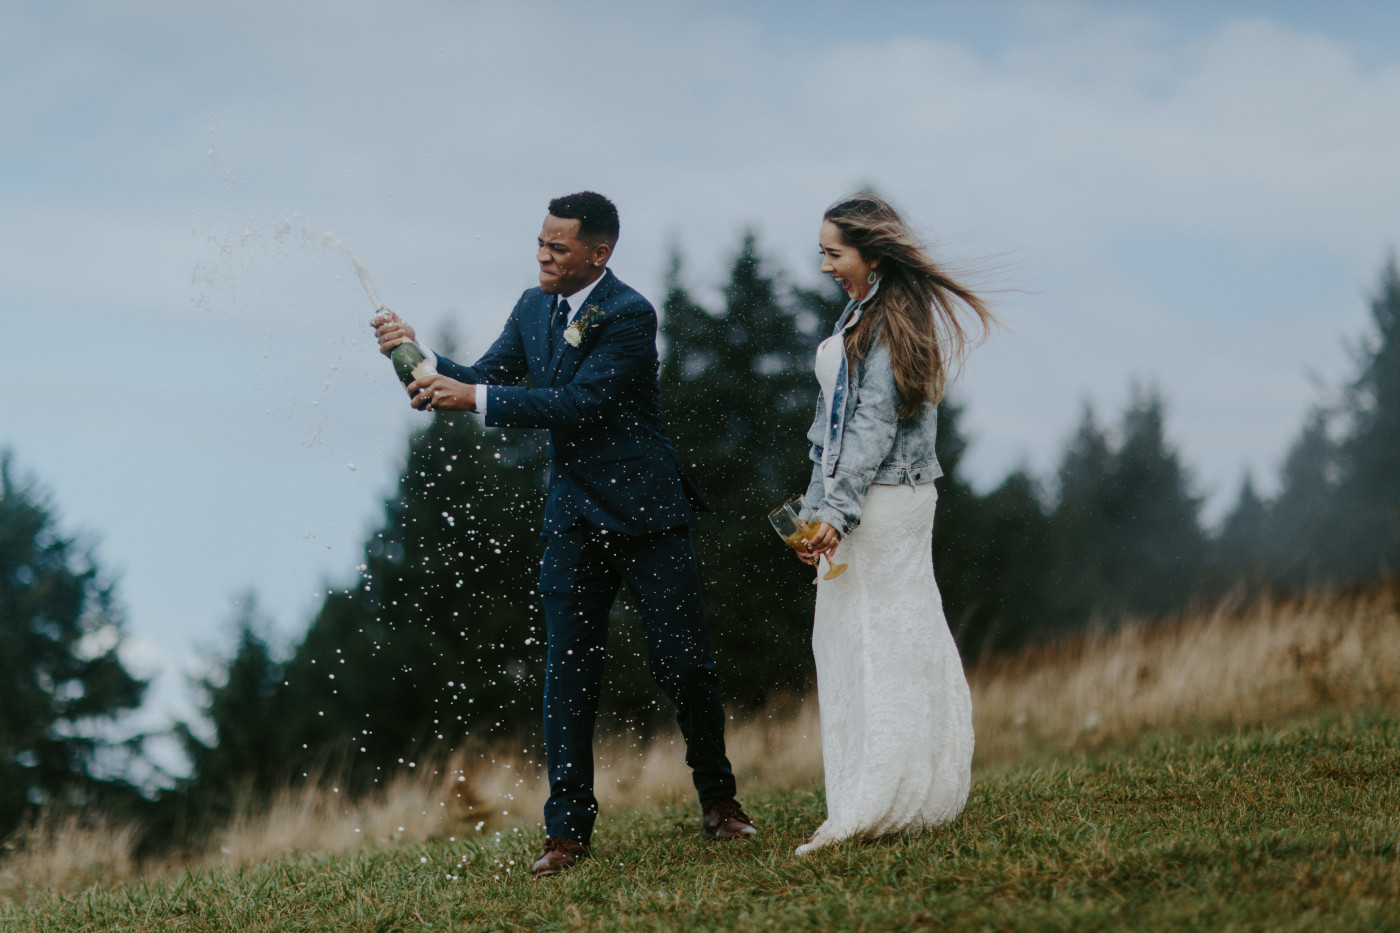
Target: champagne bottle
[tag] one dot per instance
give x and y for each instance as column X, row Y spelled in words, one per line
column 410, row 362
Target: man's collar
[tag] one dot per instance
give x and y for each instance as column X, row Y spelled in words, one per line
column 579, row 298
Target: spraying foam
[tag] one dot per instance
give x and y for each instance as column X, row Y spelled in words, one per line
column 332, row 240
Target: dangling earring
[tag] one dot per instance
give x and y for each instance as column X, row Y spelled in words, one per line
column 870, row 279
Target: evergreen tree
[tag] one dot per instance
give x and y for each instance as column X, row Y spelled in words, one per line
column 439, row 640
column 1082, row 529
column 1239, row 551
column 1014, row 557
column 240, row 700
column 967, row 547
column 739, row 395
column 1337, row 516
column 443, row 638
column 1126, row 529
column 65, row 684
column 1368, row 494
column 1303, row 514
column 1157, row 513
column 957, row 538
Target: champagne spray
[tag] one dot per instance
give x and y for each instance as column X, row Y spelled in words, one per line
column 410, row 362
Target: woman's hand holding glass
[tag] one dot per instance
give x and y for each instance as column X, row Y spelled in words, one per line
column 821, row 544
column 811, row 540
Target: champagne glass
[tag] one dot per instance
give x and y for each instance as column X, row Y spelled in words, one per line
column 796, row 533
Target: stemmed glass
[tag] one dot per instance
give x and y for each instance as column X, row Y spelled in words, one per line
column 796, row 533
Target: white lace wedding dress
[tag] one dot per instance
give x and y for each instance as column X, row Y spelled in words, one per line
column 896, row 713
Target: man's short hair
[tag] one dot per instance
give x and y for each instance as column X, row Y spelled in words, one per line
column 596, row 215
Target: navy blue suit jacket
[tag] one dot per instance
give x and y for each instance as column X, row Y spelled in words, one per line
column 610, row 460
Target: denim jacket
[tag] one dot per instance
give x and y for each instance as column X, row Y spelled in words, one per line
column 865, row 442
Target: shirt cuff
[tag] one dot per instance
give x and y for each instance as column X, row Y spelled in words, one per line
column 481, row 401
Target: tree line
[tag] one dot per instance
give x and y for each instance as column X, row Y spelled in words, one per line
column 435, row 640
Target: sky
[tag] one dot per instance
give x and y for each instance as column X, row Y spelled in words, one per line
column 1192, row 196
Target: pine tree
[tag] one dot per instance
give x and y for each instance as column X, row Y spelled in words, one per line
column 1080, row 573
column 1337, row 516
column 1303, row 515
column 1014, row 557
column 240, row 700
column 64, row 681
column 738, row 395
column 1368, row 494
column 959, row 542
column 1239, row 553
column 442, row 638
column 1157, row 514
column 1127, row 533
column 438, row 641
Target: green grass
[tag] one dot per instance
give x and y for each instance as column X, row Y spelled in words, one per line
column 1295, row 828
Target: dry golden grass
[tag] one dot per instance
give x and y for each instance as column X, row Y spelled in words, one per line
column 1234, row 667
column 67, row 853
column 315, row 817
column 1238, row 666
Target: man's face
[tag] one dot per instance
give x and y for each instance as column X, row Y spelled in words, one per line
column 566, row 262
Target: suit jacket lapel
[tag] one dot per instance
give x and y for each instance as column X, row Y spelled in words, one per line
column 541, row 357
column 567, row 357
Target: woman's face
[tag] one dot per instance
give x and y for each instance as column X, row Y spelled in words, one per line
column 845, row 263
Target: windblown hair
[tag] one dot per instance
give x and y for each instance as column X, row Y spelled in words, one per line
column 596, row 215
column 915, row 312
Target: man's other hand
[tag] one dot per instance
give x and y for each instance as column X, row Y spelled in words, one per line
column 439, row 393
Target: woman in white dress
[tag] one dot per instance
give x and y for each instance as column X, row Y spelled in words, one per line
column 896, row 714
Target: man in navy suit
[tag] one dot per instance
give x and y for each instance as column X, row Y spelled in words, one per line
column 618, row 510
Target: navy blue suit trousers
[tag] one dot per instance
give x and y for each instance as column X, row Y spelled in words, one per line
column 579, row 579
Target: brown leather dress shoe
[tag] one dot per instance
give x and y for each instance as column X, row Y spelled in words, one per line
column 724, row 819
column 560, row 854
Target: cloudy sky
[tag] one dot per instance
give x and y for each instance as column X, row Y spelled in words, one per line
column 1197, row 196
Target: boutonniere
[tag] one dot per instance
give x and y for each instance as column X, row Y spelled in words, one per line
column 581, row 322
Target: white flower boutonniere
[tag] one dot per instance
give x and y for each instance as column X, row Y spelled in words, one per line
column 585, row 319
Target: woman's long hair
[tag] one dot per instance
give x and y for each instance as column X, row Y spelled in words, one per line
column 915, row 309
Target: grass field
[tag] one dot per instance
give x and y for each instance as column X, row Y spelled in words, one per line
column 1294, row 828
column 1227, row 770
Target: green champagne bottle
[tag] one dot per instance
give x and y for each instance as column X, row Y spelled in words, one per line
column 410, row 362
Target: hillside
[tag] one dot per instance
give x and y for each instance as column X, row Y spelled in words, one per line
column 1279, row 829
column 1228, row 770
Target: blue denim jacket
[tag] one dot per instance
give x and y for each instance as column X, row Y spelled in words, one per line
column 864, row 441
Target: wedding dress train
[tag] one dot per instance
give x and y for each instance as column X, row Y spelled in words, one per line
column 896, row 713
